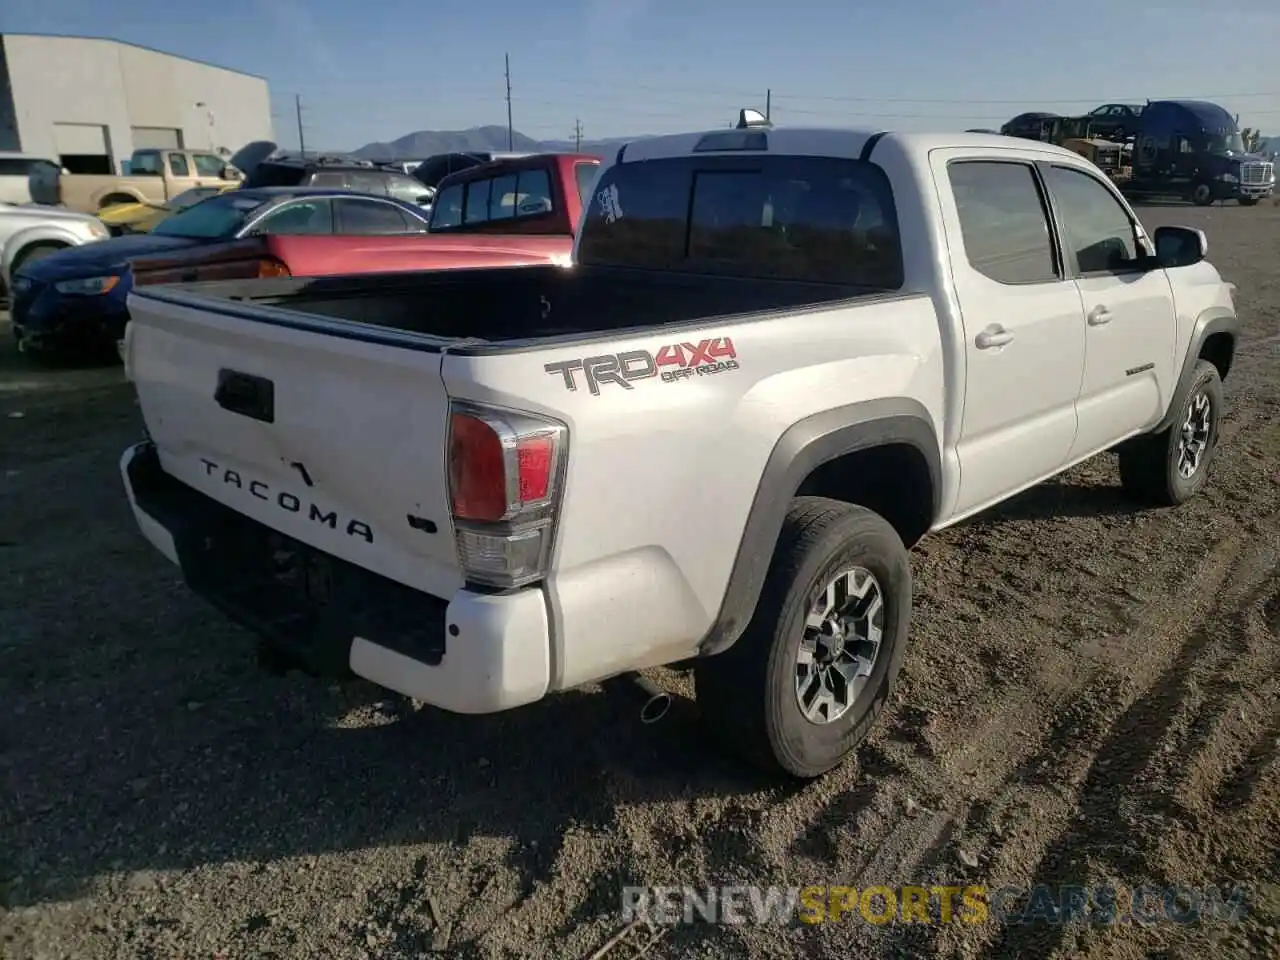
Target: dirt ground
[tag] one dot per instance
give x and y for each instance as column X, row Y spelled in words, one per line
column 1092, row 695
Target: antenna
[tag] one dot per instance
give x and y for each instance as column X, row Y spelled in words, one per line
column 577, row 136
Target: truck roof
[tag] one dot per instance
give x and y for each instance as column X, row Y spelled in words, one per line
column 823, row 141
column 522, row 162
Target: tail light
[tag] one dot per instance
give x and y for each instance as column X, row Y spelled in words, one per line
column 506, row 472
column 271, row 267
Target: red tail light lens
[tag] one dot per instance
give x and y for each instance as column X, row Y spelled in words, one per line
column 535, row 459
column 477, row 470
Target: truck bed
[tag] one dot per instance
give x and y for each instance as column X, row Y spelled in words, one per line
column 508, row 306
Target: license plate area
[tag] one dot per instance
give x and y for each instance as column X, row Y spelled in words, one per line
column 303, row 600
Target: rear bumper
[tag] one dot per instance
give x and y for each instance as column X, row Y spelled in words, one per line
column 474, row 653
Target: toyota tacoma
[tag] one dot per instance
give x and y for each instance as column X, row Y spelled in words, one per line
column 779, row 359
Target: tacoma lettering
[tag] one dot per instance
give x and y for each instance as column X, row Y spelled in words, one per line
column 288, row 501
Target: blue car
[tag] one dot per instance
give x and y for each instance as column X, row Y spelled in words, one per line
column 75, row 302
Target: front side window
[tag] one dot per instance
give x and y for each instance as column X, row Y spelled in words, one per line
column 1099, row 233
column 178, row 165
column 208, row 165
column 216, row 218
column 811, row 219
column 298, row 218
column 1003, row 221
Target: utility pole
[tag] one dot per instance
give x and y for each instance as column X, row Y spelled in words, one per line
column 577, row 136
column 768, row 103
column 302, row 142
column 506, row 57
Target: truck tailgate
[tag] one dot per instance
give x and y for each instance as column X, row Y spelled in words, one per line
column 337, row 442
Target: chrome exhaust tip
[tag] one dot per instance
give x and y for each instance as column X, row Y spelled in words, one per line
column 654, row 701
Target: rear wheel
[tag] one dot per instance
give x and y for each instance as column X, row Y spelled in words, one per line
column 1202, row 194
column 1172, row 466
column 802, row 686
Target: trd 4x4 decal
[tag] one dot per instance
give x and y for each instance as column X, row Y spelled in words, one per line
column 672, row 362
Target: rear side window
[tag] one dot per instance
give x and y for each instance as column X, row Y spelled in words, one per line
column 331, row 180
column 812, row 219
column 1003, row 221
column 368, row 217
column 507, row 196
column 375, row 183
column 146, row 163
column 275, row 175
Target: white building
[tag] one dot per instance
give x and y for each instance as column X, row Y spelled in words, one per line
column 89, row 102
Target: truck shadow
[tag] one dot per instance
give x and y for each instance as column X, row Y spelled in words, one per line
column 259, row 769
column 1059, row 498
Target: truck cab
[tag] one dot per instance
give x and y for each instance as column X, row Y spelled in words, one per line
column 1193, row 148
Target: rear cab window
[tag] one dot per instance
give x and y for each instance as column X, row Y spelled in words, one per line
column 810, row 219
column 514, row 195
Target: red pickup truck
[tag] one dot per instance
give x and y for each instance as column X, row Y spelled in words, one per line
column 511, row 212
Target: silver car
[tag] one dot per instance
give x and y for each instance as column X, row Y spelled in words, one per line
column 29, row 231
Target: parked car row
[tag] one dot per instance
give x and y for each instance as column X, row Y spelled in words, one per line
column 287, row 216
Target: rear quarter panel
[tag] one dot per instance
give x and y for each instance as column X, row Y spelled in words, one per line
column 661, row 476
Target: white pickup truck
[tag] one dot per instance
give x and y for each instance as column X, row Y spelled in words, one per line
column 781, row 357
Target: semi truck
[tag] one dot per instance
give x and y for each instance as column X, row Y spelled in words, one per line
column 1192, row 149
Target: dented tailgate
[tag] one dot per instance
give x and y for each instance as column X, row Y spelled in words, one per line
column 333, row 440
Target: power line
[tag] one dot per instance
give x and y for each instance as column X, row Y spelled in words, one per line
column 839, row 98
column 506, row 57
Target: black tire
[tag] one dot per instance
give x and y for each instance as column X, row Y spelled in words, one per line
column 746, row 695
column 1247, row 201
column 1149, row 464
column 1201, row 194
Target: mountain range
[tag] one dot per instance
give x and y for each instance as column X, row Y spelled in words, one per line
column 490, row 139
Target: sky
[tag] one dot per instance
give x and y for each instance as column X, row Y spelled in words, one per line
column 376, row 71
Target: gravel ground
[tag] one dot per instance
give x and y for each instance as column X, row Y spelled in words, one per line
column 1092, row 694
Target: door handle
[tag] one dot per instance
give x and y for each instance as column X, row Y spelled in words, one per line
column 994, row 336
column 1098, row 316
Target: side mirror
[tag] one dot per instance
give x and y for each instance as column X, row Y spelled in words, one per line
column 231, row 173
column 1180, row 246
